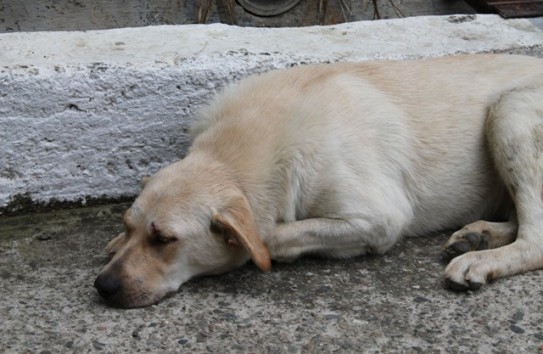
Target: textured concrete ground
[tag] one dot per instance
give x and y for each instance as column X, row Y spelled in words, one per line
column 391, row 304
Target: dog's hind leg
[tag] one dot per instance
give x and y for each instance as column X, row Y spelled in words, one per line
column 481, row 235
column 514, row 131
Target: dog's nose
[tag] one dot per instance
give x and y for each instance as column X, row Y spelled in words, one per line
column 107, row 285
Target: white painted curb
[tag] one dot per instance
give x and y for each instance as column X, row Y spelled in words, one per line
column 87, row 114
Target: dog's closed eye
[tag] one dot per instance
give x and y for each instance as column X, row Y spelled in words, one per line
column 159, row 237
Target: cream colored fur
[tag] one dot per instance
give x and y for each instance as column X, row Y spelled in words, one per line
column 342, row 160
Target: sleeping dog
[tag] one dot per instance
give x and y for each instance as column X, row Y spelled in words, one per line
column 342, row 160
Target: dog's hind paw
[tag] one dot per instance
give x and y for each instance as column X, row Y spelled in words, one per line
column 464, row 241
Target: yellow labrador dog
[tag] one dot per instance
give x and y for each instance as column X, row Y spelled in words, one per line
column 342, row 160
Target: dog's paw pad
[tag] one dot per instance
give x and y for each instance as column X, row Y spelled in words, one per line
column 473, row 285
column 463, row 242
column 461, row 287
column 455, row 285
column 459, row 247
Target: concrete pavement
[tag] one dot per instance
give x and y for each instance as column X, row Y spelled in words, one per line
column 395, row 303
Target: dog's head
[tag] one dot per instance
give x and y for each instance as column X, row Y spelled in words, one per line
column 188, row 221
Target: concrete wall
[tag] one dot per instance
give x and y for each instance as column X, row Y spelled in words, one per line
column 70, row 15
column 84, row 115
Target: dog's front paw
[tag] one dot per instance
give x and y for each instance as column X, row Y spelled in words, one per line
column 464, row 241
column 468, row 272
column 284, row 255
column 280, row 252
column 284, row 259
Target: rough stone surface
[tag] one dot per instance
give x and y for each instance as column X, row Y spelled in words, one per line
column 70, row 15
column 84, row 115
column 390, row 304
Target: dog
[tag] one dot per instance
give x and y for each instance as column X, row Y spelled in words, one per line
column 342, row 160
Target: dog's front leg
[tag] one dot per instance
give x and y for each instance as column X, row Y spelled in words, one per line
column 331, row 237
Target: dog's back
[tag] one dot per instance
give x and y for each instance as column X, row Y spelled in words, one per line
column 326, row 133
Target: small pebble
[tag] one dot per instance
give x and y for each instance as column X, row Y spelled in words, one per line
column 516, row 329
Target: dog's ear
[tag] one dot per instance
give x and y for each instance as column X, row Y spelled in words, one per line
column 144, row 181
column 115, row 244
column 236, row 223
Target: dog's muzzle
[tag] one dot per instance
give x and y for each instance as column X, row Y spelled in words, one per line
column 108, row 285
